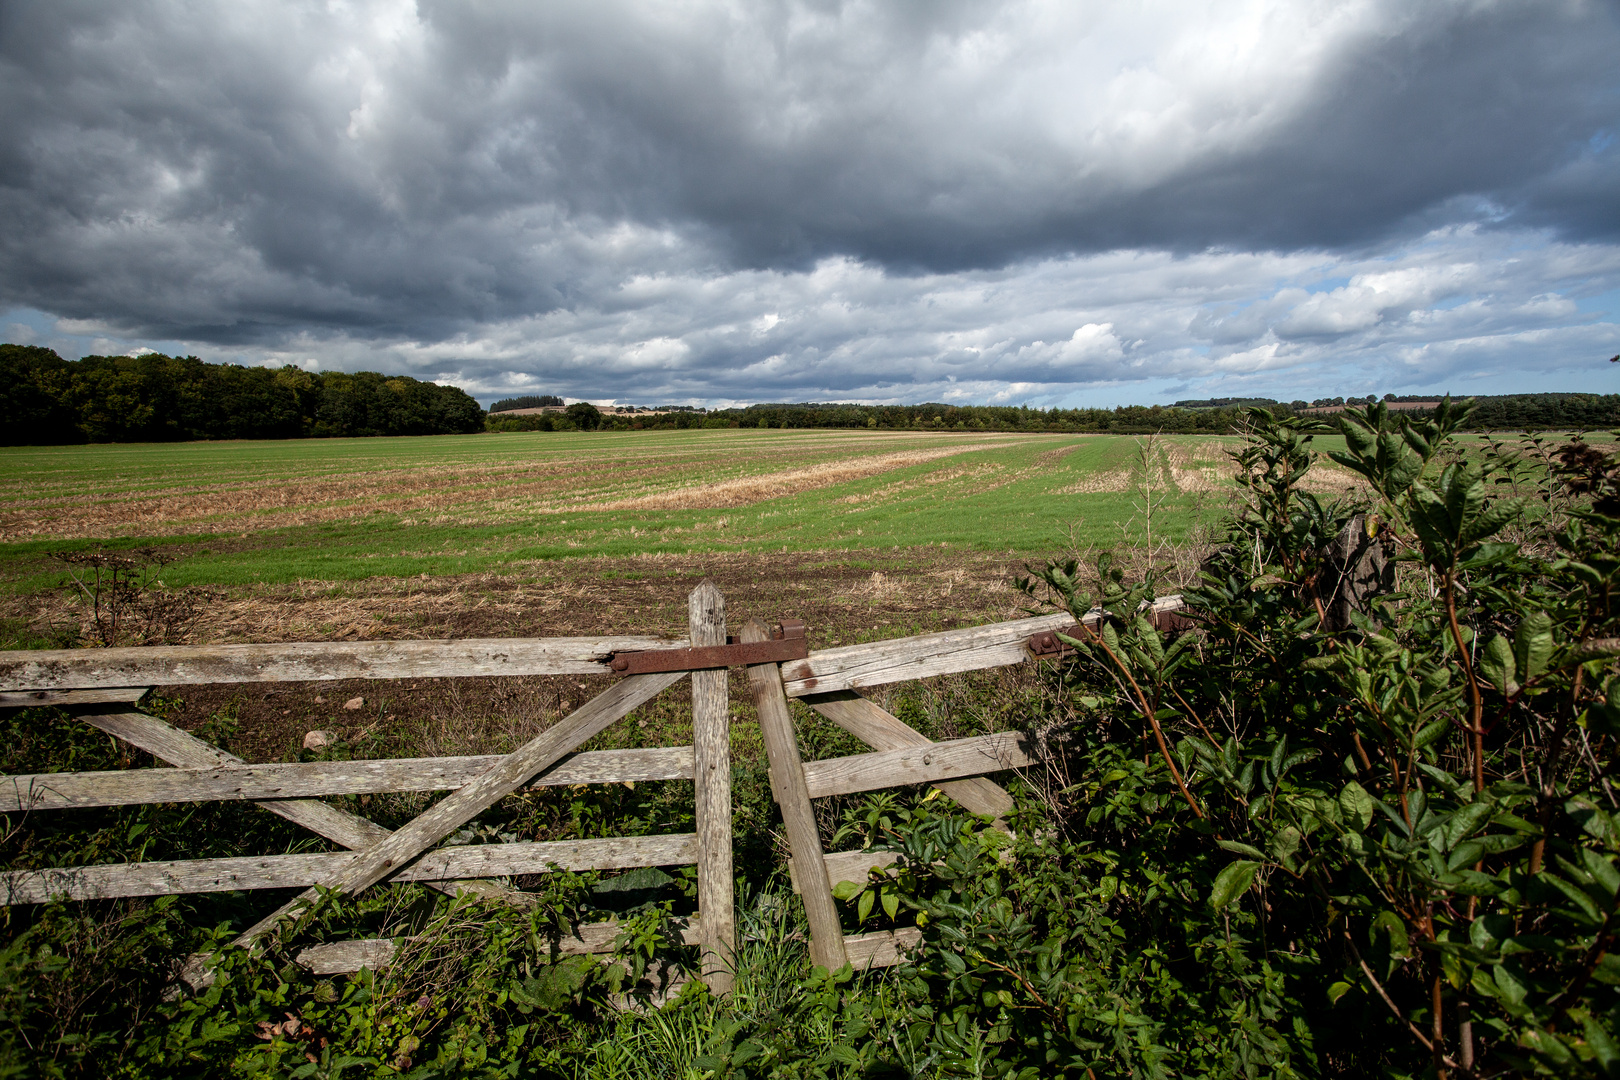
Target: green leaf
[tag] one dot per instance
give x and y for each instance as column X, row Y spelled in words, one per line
column 864, row 908
column 638, row 880
column 1356, row 804
column 1430, row 733
column 1487, row 555
column 1600, row 1042
column 1498, row 666
column 891, row 903
column 1285, row 843
column 1242, row 849
column 1337, row 991
column 1389, row 925
column 1232, row 883
column 1595, row 821
column 844, row 890
column 1533, row 645
column 1464, row 822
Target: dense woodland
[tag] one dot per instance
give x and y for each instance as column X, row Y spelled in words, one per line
column 156, row 398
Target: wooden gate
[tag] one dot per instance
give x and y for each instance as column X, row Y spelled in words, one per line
column 102, row 686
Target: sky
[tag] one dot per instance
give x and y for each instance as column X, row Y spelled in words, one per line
column 1055, row 204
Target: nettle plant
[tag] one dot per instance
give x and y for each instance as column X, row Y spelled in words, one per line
column 1414, row 808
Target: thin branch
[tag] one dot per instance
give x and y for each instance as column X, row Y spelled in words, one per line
column 1416, row 1032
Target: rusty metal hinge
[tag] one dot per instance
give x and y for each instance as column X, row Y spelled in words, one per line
column 787, row 642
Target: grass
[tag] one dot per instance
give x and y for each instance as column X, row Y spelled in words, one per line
column 332, row 510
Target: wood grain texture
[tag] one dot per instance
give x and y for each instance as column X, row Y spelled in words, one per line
column 467, row 802
column 113, row 695
column 879, row 729
column 168, row 743
column 798, row 815
column 711, row 767
column 853, row 866
column 54, row 791
column 974, row 648
column 883, row 949
column 344, row 957
column 311, row 661
column 917, row 764
column 292, row 871
column 878, row 663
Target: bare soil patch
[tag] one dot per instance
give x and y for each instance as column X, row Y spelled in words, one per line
column 844, row 597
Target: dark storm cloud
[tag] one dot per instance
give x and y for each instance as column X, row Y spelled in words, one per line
column 518, row 194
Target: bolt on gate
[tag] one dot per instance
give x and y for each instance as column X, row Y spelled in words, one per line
column 101, row 687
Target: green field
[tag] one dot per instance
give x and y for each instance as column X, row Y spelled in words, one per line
column 340, row 509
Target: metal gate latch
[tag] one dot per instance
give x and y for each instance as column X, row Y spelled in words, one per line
column 787, row 642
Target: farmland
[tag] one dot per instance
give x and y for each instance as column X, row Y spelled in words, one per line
column 241, row 513
column 865, row 535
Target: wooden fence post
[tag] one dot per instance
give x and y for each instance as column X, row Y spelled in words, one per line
column 711, row 768
column 798, row 816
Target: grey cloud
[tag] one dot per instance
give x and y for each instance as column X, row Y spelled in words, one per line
column 917, row 193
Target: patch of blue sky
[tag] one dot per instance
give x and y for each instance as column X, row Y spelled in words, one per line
column 1606, row 303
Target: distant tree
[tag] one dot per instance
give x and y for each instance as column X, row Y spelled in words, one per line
column 586, row 417
column 33, row 392
column 527, row 401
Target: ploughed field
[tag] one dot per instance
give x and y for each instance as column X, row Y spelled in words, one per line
column 239, row 513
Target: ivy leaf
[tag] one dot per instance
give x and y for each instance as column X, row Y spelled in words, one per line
column 1232, row 883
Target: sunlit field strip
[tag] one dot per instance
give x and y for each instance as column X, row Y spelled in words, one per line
column 995, row 492
column 43, row 473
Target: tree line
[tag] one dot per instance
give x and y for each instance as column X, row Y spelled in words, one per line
column 156, row 398
column 1513, row 412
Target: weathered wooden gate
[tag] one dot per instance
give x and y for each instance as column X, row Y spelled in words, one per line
column 101, row 686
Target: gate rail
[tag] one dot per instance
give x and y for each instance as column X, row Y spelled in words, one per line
column 87, row 682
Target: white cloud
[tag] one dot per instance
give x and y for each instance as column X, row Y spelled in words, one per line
column 1109, row 328
column 792, row 199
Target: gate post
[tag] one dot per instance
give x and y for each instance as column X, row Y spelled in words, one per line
column 711, row 763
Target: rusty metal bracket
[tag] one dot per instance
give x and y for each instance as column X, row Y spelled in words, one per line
column 1165, row 614
column 787, row 642
column 1047, row 643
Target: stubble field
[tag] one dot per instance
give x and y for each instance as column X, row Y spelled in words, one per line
column 333, row 510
